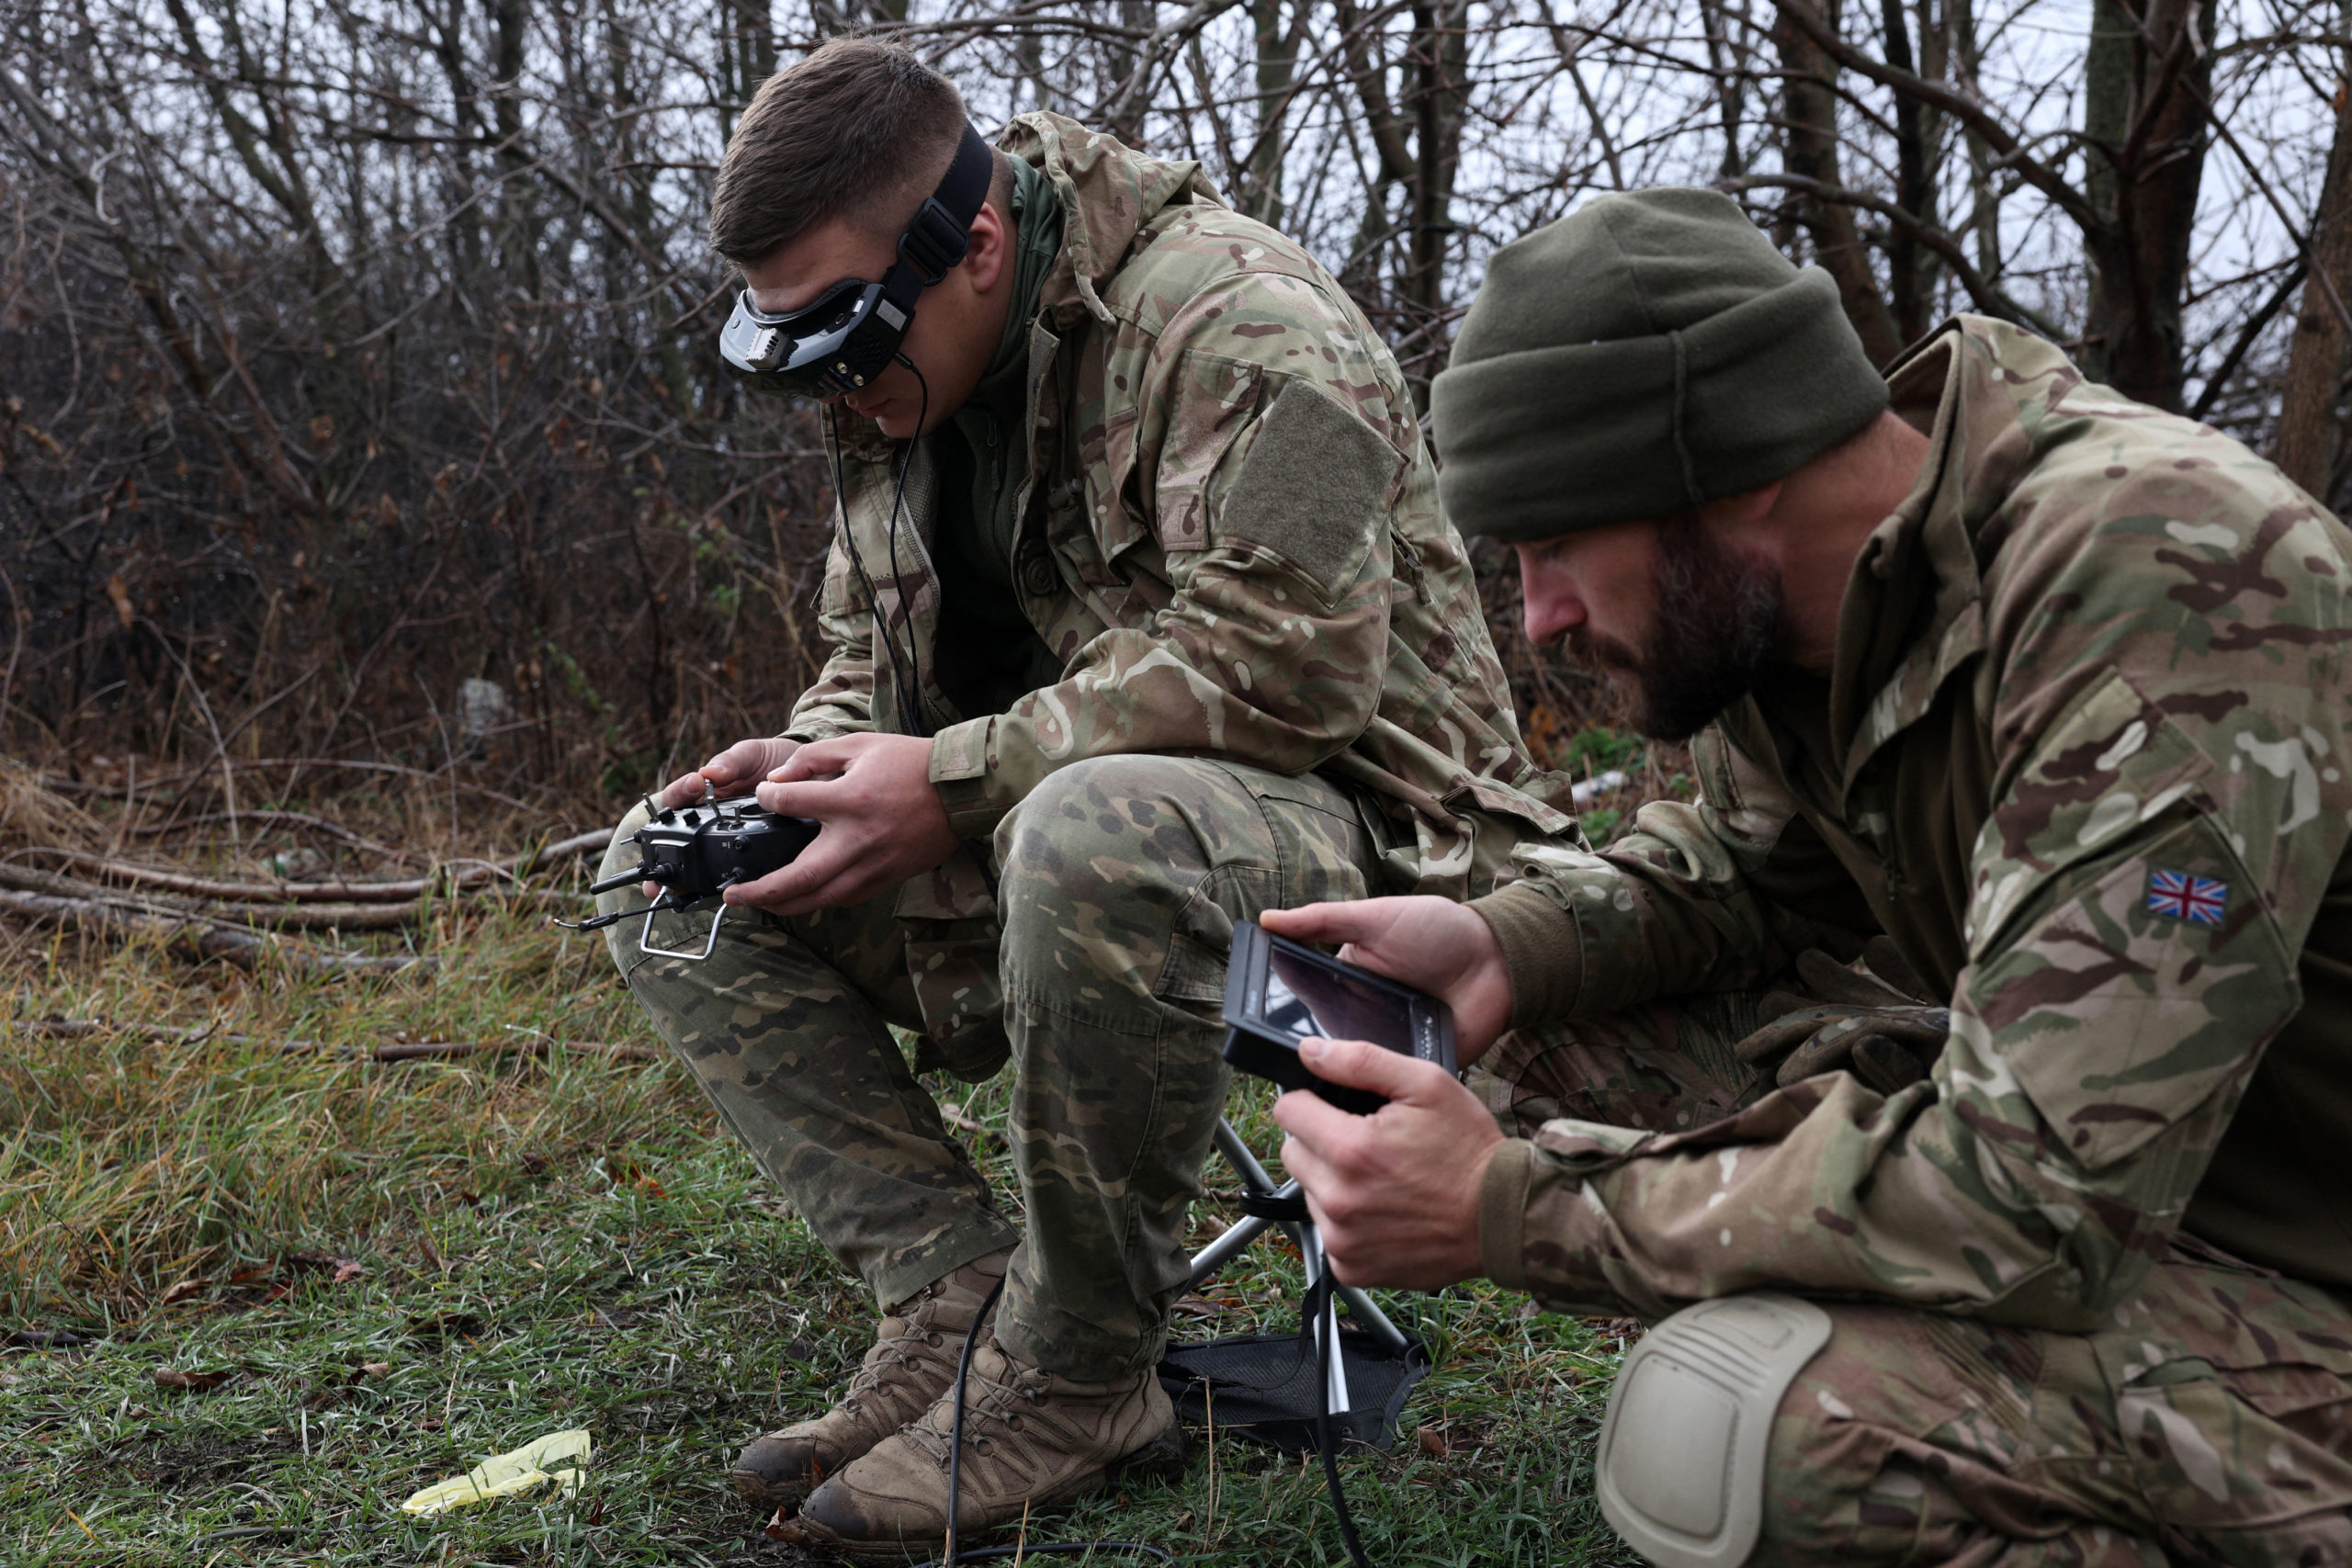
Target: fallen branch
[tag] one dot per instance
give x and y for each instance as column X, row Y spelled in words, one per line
column 191, row 935
column 433, row 1050
column 459, row 876
column 390, row 1051
column 261, row 917
column 84, row 1028
column 267, row 917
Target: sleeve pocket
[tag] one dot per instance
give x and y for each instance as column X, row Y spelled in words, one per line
column 2108, row 764
column 2151, row 980
column 840, row 593
column 1313, row 487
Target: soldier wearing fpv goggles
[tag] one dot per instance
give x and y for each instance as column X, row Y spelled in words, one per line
column 1142, row 619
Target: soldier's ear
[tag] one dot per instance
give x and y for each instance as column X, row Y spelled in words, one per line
column 988, row 260
column 1746, row 510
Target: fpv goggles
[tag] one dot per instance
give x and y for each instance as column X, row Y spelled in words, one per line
column 847, row 335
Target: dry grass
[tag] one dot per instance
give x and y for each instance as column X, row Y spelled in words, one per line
column 133, row 1164
column 32, row 813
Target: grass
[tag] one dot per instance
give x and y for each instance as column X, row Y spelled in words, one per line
column 396, row 1270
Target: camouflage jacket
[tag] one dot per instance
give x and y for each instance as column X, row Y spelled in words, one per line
column 1229, row 534
column 2084, row 760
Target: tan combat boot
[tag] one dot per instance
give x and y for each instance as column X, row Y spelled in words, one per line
column 1030, row 1439
column 911, row 1364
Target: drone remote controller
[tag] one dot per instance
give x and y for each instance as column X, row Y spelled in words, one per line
column 695, row 854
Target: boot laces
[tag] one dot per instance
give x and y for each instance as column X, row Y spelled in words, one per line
column 998, row 1403
column 899, row 1351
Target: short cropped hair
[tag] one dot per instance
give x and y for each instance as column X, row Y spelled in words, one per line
column 860, row 129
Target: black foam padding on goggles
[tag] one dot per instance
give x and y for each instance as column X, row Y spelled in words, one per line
column 848, row 334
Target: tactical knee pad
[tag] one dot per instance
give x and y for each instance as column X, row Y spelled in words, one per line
column 1681, row 1469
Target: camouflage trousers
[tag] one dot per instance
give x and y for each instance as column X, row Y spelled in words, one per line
column 2209, row 1419
column 1119, row 880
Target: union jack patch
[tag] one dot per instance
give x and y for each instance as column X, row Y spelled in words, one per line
column 2177, row 896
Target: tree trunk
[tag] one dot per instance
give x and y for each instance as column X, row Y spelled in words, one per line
column 1809, row 148
column 1277, row 74
column 1367, row 68
column 1126, row 60
column 2311, row 430
column 2147, row 84
column 1926, row 200
column 518, row 239
column 746, row 56
column 1905, row 286
column 1441, row 73
column 1984, row 179
column 1727, row 55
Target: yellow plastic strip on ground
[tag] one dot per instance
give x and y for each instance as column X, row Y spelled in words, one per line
column 532, row 1464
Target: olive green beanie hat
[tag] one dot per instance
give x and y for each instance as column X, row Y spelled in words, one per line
column 1645, row 354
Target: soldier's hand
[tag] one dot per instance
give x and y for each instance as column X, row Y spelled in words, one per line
column 1434, row 944
column 882, row 823
column 1873, row 1023
column 1394, row 1194
column 734, row 772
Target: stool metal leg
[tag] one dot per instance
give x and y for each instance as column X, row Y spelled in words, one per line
column 1360, row 1307
column 1336, row 1391
column 1225, row 1249
column 1245, row 1163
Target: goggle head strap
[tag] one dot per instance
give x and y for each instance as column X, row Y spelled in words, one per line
column 941, row 232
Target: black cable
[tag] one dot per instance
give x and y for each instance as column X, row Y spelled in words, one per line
column 1057, row 1549
column 857, row 564
column 898, row 573
column 955, row 1425
column 1319, row 1303
column 914, row 651
column 909, row 691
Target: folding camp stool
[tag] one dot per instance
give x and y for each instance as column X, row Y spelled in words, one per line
column 1267, row 1204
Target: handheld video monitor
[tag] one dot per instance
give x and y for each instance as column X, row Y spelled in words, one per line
column 1278, row 993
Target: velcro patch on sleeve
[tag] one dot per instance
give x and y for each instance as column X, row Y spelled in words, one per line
column 1314, row 487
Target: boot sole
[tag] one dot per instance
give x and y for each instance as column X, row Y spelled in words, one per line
column 1162, row 1459
column 761, row 1493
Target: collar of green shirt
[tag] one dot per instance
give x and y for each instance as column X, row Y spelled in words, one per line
column 1037, row 239
column 993, row 421
column 1911, row 614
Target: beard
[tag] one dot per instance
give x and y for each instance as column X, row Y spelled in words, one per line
column 1719, row 620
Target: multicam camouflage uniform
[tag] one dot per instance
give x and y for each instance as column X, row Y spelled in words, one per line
column 2083, row 757
column 1277, row 687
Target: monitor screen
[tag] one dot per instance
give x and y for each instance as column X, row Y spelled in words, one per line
column 1304, row 998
